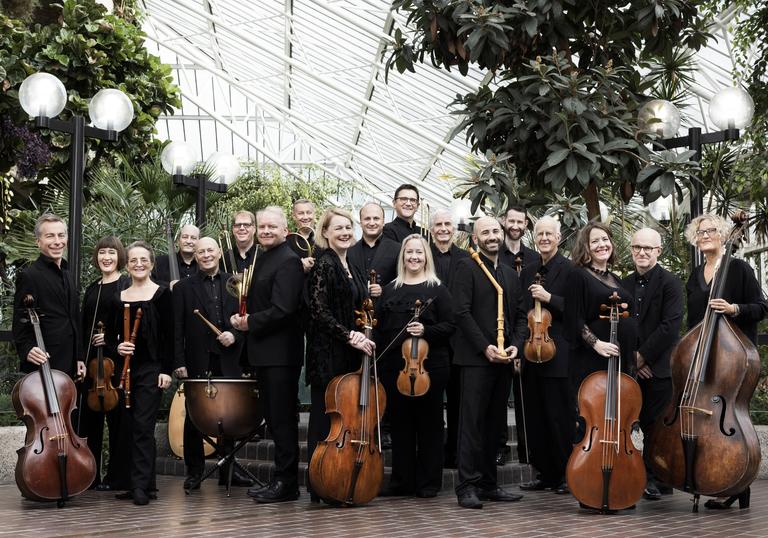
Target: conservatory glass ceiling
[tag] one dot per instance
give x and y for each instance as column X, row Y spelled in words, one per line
column 295, row 83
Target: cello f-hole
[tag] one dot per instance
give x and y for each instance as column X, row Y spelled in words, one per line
column 42, row 440
column 718, row 399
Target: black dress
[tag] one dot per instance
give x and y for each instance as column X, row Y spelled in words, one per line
column 153, row 355
column 97, row 307
column 586, row 291
column 741, row 288
column 416, row 422
column 333, row 298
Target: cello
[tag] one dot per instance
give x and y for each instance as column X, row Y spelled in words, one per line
column 539, row 347
column 54, row 463
column 705, row 442
column 605, row 471
column 102, row 396
column 413, row 379
column 347, row 467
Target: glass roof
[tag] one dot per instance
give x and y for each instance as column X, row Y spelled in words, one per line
column 300, row 83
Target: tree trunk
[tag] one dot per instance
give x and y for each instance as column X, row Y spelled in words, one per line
column 592, row 199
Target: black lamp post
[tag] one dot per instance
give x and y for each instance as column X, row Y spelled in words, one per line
column 43, row 97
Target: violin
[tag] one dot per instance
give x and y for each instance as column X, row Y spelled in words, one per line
column 102, row 396
column 605, row 471
column 54, row 463
column 539, row 347
column 705, row 442
column 413, row 379
column 125, row 376
column 348, row 467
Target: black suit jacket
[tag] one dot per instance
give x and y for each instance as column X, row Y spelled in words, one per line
column 659, row 317
column 475, row 308
column 275, row 337
column 399, row 229
column 457, row 254
column 56, row 301
column 558, row 268
column 193, row 340
column 384, row 260
column 528, row 256
column 161, row 273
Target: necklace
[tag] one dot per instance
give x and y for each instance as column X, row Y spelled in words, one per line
column 599, row 272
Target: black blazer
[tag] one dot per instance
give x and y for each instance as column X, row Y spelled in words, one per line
column 275, row 337
column 384, row 260
column 475, row 308
column 56, row 301
column 161, row 273
column 193, row 340
column 659, row 318
column 558, row 270
column 456, row 255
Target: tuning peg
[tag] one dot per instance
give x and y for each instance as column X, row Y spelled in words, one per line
column 604, row 308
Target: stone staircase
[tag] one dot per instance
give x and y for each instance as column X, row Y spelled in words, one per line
column 257, row 457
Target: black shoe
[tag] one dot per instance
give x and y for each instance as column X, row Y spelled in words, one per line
column 651, row 491
column 536, row 485
column 140, row 497
column 102, row 487
column 717, row 504
column 277, row 492
column 502, row 455
column 192, row 481
column 386, row 440
column 498, row 495
column 664, row 489
column 562, row 489
column 469, row 499
column 256, row 490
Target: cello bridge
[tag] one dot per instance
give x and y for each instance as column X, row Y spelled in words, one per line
column 57, row 437
column 693, row 410
column 359, row 442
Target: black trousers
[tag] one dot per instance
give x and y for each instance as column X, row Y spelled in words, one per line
column 278, row 388
column 550, row 410
column 452, row 397
column 484, row 393
column 513, row 385
column 319, row 422
column 656, row 395
column 137, row 429
column 91, row 425
column 417, row 434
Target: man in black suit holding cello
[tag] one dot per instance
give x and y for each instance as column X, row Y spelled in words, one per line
column 49, row 282
column 276, row 347
column 199, row 352
column 485, row 368
column 659, row 312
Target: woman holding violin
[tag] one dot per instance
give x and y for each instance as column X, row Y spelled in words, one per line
column 417, row 347
column 742, row 300
column 100, row 384
column 335, row 291
column 149, row 348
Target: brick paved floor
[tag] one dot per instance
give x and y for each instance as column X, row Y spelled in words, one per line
column 209, row 512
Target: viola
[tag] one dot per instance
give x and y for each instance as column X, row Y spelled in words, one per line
column 102, row 396
column 54, row 463
column 705, row 442
column 413, row 379
column 605, row 471
column 130, row 336
column 539, row 347
column 347, row 467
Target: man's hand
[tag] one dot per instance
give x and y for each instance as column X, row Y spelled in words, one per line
column 126, row 348
column 538, row 292
column 606, row 349
column 226, row 338
column 493, row 354
column 415, row 328
column 239, row 322
column 80, row 371
column 97, row 340
column 374, row 290
column 307, row 264
column 645, row 372
column 37, row 356
column 163, row 381
column 181, row 372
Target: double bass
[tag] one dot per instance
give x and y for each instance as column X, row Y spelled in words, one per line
column 54, row 463
column 413, row 379
column 539, row 347
column 347, row 467
column 605, row 471
column 705, row 442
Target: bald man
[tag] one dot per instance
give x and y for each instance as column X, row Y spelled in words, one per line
column 485, row 368
column 659, row 312
column 198, row 352
column 374, row 251
column 185, row 257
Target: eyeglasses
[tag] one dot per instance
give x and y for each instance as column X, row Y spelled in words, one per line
column 637, row 248
column 242, row 225
column 137, row 261
column 708, row 232
column 406, row 200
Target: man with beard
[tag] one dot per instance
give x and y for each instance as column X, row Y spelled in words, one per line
column 199, row 353
column 406, row 203
column 446, row 256
column 244, row 249
column 659, row 312
column 484, row 367
column 276, row 347
column 516, row 255
column 303, row 215
column 549, row 398
column 373, row 251
column 185, row 257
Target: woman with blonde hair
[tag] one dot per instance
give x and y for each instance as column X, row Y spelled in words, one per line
column 416, row 421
